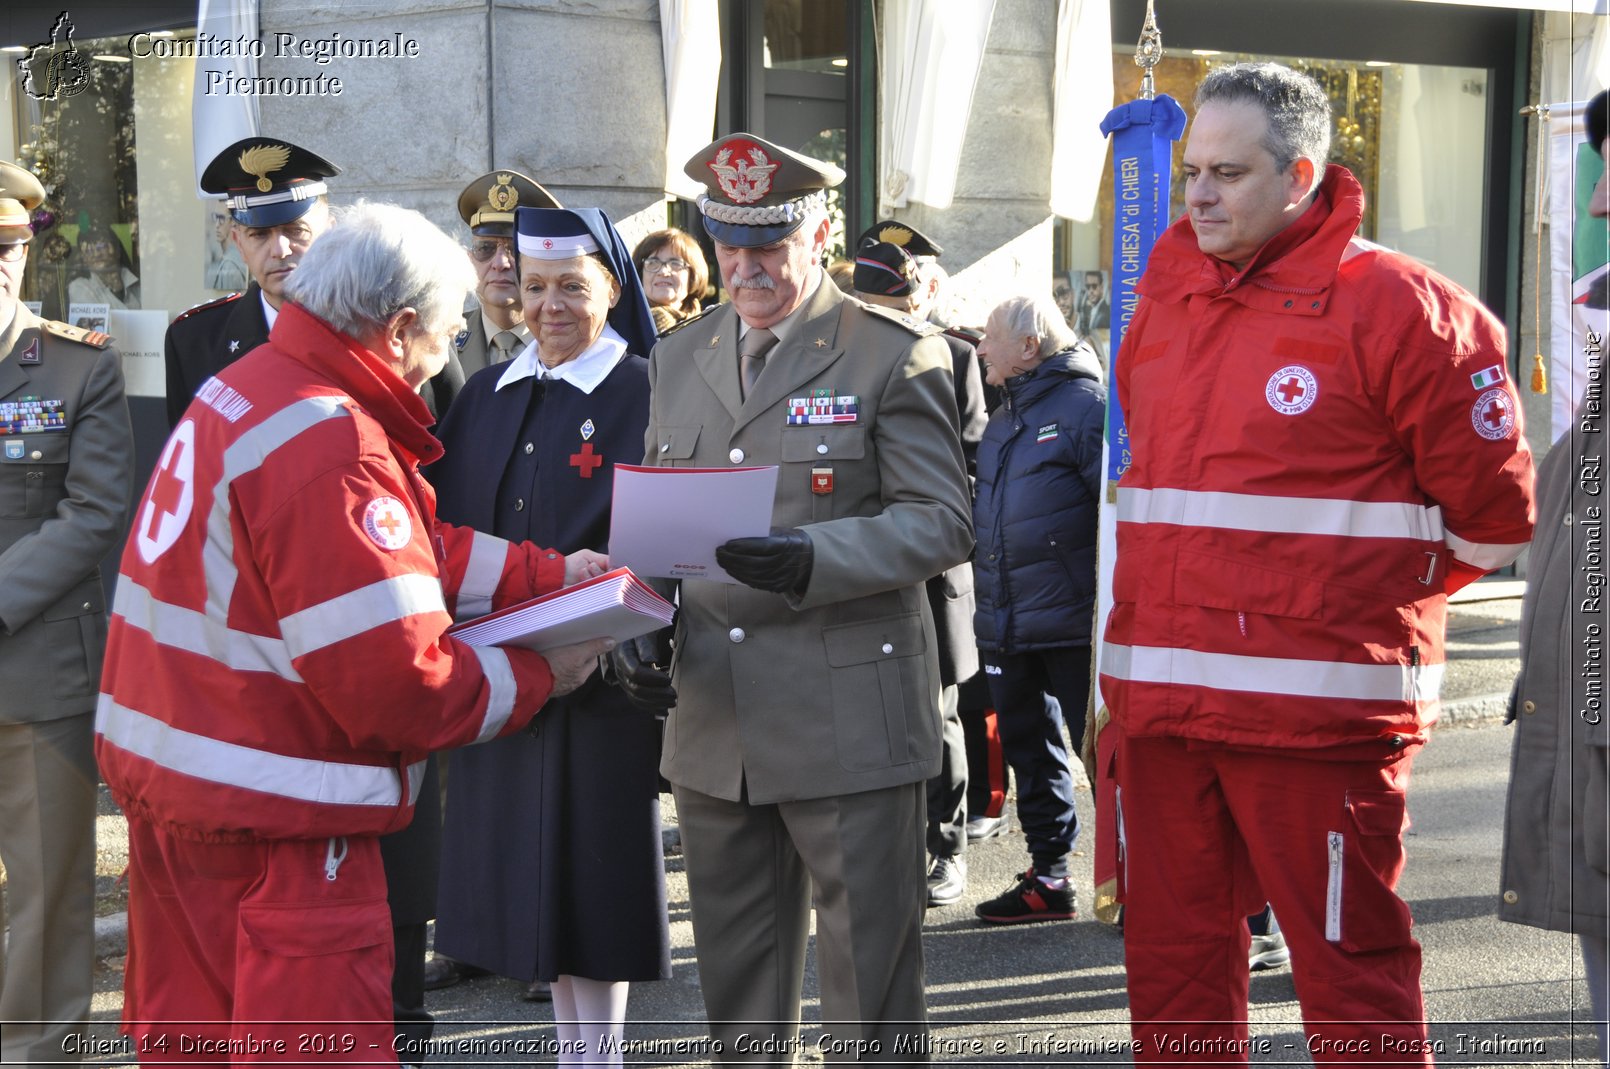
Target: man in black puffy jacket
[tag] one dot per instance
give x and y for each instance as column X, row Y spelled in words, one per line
column 1039, row 480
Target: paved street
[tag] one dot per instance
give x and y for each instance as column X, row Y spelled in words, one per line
column 1050, row 994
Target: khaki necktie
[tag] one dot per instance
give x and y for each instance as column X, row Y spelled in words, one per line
column 506, row 342
column 753, row 349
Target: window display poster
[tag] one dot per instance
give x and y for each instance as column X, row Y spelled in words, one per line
column 224, row 270
column 89, row 316
column 138, row 336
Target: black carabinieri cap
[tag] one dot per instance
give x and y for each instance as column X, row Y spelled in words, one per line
column 908, row 237
column 268, row 181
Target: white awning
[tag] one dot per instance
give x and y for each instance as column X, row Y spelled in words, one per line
column 218, row 120
column 1575, row 7
column 932, row 52
column 690, row 35
column 1083, row 96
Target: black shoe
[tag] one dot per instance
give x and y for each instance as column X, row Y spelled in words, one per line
column 947, row 879
column 538, row 991
column 1029, row 900
column 980, row 828
column 443, row 972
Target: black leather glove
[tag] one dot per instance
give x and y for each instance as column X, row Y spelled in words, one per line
column 633, row 666
column 779, row 562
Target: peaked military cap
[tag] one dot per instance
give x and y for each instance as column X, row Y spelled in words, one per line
column 268, row 181
column 905, row 235
column 885, row 269
column 757, row 192
column 20, row 194
column 487, row 204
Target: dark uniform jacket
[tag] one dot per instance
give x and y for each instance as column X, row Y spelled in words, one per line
column 207, row 339
column 64, row 491
column 211, row 336
column 1039, row 484
column 950, row 594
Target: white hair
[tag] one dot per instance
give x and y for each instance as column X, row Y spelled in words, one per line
column 376, row 260
column 1036, row 317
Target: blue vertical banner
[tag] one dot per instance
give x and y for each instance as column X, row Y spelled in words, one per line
column 1143, row 133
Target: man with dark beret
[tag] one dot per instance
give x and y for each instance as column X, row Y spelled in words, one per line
column 887, row 274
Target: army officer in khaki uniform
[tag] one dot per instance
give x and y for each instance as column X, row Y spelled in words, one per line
column 65, row 468
column 806, row 714
column 495, row 329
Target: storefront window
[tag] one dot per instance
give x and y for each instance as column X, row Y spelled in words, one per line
column 1415, row 136
column 79, row 140
column 807, row 35
column 108, row 133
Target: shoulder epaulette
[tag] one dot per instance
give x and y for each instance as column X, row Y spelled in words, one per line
column 679, row 324
column 82, row 335
column 910, row 322
column 214, row 303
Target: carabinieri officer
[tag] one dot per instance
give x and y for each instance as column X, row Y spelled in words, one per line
column 276, row 197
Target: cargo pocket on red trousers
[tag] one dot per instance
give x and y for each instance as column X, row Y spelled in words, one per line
column 1364, row 859
column 316, row 961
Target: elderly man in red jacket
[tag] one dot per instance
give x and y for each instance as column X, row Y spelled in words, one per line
column 1326, row 444
column 277, row 668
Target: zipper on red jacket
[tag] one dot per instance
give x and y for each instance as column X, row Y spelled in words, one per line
column 332, row 860
column 1307, row 292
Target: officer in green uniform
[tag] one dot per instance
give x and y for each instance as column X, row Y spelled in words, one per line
column 806, row 694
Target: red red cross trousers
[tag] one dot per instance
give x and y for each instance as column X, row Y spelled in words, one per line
column 586, row 460
column 166, row 492
column 1290, row 389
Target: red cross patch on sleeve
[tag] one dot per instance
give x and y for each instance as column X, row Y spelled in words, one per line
column 386, row 523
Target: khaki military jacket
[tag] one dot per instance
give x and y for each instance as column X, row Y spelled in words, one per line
column 64, row 491
column 784, row 698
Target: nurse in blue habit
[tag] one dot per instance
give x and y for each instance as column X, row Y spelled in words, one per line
column 551, row 859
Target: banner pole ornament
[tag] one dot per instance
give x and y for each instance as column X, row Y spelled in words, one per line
column 1143, row 133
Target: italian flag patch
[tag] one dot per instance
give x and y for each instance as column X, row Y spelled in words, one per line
column 1490, row 377
column 1047, row 433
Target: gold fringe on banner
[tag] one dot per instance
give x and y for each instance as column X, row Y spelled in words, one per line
column 1540, row 380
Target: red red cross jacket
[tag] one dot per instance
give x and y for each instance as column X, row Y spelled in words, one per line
column 1324, row 446
column 276, row 665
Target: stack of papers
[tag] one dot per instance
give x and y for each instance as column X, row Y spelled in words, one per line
column 615, row 605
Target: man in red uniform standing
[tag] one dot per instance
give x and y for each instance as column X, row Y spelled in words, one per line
column 277, row 669
column 1326, row 444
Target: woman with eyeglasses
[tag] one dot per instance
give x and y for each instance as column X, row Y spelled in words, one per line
column 675, row 276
